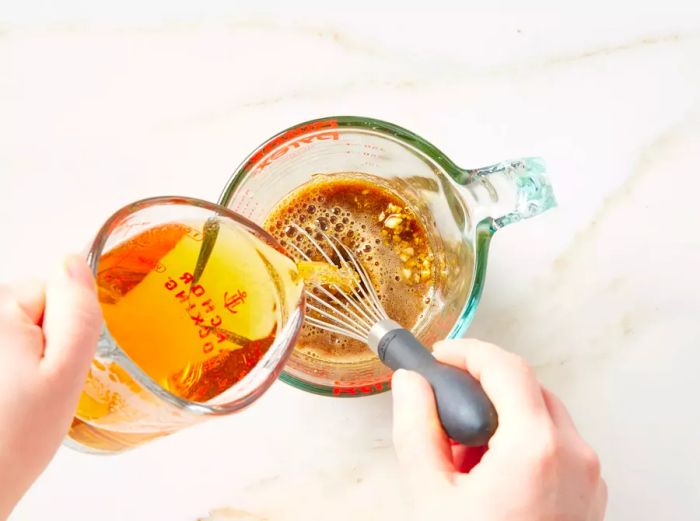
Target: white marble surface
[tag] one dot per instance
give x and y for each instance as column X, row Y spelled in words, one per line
column 101, row 107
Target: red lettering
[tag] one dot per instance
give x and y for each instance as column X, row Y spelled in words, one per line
column 198, row 320
column 203, row 332
column 187, row 278
column 198, row 290
column 182, row 296
column 170, row 284
column 288, row 137
column 216, row 322
column 339, row 390
column 208, row 306
column 208, row 347
column 234, row 300
column 278, row 153
column 263, row 165
column 328, row 136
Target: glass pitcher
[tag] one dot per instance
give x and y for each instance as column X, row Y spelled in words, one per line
column 460, row 208
column 201, row 309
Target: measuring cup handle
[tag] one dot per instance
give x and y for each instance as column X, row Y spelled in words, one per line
column 507, row 192
column 465, row 412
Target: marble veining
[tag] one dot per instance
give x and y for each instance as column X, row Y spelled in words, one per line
column 600, row 295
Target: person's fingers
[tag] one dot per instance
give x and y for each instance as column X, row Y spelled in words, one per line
column 29, row 295
column 422, row 447
column 506, row 378
column 21, row 307
column 72, row 321
column 600, row 502
column 558, row 412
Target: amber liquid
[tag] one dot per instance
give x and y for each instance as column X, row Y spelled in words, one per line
column 384, row 233
column 195, row 335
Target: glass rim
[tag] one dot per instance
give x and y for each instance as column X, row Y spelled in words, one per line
column 329, row 123
column 484, row 230
column 290, row 329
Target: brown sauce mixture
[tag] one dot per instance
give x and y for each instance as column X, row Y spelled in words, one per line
column 386, row 236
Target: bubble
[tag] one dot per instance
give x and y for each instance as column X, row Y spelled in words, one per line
column 311, row 209
column 350, row 233
column 364, row 226
column 334, row 219
column 397, row 278
column 323, row 223
column 367, row 248
column 290, row 231
column 376, row 263
column 308, row 229
column 339, row 227
column 336, row 210
column 426, row 300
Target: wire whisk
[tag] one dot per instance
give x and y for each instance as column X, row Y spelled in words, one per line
column 466, row 413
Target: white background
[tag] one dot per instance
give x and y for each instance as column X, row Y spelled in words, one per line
column 102, row 104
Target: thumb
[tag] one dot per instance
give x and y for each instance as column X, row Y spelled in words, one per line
column 422, row 447
column 72, row 321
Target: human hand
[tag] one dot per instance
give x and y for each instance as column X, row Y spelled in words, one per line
column 536, row 468
column 48, row 334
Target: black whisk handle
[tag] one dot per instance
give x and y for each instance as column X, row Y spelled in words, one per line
column 466, row 413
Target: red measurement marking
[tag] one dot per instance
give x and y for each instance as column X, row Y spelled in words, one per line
column 170, row 284
column 230, row 302
column 187, row 278
column 208, row 306
column 287, row 137
column 194, row 234
column 362, row 389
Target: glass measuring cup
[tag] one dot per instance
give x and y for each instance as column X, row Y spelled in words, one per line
column 201, row 310
column 460, row 208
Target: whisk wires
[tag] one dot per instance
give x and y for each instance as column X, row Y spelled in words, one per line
column 333, row 308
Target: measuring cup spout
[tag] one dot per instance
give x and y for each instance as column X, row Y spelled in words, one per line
column 507, row 192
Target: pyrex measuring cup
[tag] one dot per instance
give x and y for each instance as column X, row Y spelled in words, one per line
column 183, row 340
column 460, row 208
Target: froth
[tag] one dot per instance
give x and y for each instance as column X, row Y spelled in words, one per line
column 348, row 210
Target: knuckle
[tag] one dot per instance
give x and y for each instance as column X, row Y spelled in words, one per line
column 9, row 308
column 522, row 366
column 591, row 463
column 547, row 447
column 476, row 347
